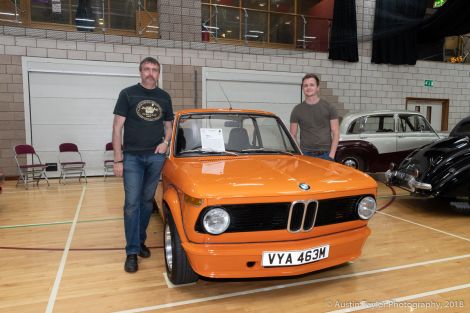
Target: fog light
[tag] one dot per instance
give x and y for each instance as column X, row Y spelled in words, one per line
column 216, row 221
column 366, row 208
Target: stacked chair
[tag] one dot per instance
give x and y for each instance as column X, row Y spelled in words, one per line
column 30, row 168
column 70, row 162
column 108, row 165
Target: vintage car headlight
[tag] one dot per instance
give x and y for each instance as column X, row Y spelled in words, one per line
column 366, row 208
column 216, row 221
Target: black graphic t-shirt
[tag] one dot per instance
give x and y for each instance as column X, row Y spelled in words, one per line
column 145, row 111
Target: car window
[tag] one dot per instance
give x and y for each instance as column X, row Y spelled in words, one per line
column 241, row 133
column 372, row 124
column 413, row 123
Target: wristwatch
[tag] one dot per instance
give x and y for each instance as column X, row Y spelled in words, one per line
column 165, row 142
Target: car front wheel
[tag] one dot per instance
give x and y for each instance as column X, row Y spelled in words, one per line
column 178, row 269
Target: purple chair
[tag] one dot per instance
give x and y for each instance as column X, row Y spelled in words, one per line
column 30, row 167
column 108, row 160
column 71, row 162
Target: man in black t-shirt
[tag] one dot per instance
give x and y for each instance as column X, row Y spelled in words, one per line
column 145, row 113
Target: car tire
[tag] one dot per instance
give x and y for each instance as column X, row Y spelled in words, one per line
column 354, row 162
column 178, row 269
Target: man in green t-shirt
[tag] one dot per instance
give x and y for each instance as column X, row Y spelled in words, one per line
column 318, row 122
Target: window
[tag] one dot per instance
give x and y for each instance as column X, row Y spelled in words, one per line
column 120, row 16
column 413, row 123
column 242, row 133
column 297, row 24
column 372, row 124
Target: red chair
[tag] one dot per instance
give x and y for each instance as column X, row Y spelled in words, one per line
column 108, row 160
column 30, row 167
column 71, row 162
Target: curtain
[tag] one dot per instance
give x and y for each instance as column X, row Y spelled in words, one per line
column 395, row 29
column 343, row 44
column 84, row 18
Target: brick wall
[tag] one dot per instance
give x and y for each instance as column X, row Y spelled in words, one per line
column 182, row 82
column 180, row 20
column 12, row 128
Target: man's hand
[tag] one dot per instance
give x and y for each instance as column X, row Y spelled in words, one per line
column 118, row 169
column 161, row 148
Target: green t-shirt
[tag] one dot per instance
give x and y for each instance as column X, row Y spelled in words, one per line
column 145, row 111
column 314, row 122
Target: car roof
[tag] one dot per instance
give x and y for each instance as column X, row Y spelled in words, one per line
column 462, row 128
column 222, row 110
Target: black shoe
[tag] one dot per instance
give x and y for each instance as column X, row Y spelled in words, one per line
column 144, row 251
column 131, row 263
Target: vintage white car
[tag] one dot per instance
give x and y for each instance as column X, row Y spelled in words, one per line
column 370, row 141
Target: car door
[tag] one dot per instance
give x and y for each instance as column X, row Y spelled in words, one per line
column 414, row 131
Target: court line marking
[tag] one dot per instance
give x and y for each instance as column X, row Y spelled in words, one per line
column 422, row 225
column 296, row 284
column 391, row 302
column 11, row 190
column 61, row 222
column 60, row 271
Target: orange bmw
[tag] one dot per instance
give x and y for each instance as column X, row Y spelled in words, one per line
column 240, row 200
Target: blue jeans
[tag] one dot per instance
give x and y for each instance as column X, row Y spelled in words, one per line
column 141, row 176
column 324, row 155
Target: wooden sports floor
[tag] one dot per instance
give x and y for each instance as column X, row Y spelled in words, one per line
column 61, row 250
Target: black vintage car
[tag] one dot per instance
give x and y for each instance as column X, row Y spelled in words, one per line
column 440, row 169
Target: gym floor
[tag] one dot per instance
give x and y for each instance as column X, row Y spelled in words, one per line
column 61, row 250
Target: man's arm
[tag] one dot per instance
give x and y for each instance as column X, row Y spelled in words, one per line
column 118, row 124
column 161, row 148
column 293, row 130
column 334, row 125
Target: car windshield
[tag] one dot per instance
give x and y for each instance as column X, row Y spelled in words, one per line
column 231, row 134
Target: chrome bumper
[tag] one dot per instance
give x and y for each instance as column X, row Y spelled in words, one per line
column 405, row 180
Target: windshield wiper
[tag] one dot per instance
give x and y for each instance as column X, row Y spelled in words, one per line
column 200, row 150
column 263, row 150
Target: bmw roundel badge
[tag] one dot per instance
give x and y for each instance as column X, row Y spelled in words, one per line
column 304, row 186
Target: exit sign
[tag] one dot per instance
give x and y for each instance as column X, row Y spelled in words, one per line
column 438, row 3
column 428, row 83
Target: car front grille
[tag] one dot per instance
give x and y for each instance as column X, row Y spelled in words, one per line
column 295, row 217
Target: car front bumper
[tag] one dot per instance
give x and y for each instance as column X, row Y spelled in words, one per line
column 244, row 260
column 407, row 181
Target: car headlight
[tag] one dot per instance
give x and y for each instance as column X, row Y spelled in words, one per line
column 216, row 221
column 366, row 208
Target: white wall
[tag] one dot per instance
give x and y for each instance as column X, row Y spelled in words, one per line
column 73, row 101
column 276, row 92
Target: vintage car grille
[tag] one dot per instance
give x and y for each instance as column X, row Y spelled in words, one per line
column 287, row 215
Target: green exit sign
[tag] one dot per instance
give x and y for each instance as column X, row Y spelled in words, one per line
column 438, row 3
column 428, row 83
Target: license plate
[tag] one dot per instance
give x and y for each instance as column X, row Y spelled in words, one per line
column 289, row 258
